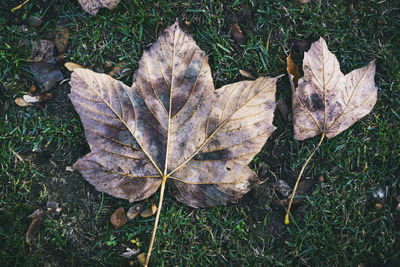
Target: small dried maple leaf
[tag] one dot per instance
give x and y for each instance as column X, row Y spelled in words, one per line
column 325, row 100
column 172, row 126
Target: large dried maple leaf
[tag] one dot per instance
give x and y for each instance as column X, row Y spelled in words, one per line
column 172, row 126
column 172, row 123
column 325, row 100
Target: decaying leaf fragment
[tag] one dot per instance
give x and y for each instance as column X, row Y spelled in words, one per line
column 172, row 126
column 93, row 6
column 325, row 100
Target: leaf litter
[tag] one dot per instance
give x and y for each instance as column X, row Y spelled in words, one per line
column 172, row 126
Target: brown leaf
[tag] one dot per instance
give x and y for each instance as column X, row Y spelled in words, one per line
column 46, row 74
column 149, row 211
column 43, row 50
column 293, row 70
column 172, row 125
column 93, row 6
column 283, row 108
column 118, row 218
column 237, row 33
column 61, row 39
column 34, row 227
column 325, row 100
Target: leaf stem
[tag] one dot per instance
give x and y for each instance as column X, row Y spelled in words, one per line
column 298, row 179
column 160, row 202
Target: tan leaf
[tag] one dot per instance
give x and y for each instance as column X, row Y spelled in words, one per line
column 327, row 101
column 93, row 6
column 61, row 39
column 71, row 66
column 246, row 74
column 172, row 126
column 118, row 218
column 21, row 102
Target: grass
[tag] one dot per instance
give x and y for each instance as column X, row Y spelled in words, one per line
column 337, row 224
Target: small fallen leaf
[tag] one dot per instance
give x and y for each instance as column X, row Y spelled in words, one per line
column 321, row 178
column 33, row 21
column 149, row 211
column 62, row 39
column 294, row 72
column 378, row 206
column 282, row 187
column 283, row 108
column 46, row 74
column 135, row 210
column 93, row 6
column 21, row 102
column 39, row 98
column 71, row 66
column 142, row 259
column 34, row 227
column 246, row 74
column 130, row 252
column 43, row 50
column 52, row 207
column 237, row 33
column 325, row 100
column 118, row 218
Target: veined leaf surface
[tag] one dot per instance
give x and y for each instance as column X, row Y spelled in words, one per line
column 172, row 126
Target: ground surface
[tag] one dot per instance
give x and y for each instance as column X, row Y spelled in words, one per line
column 338, row 223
